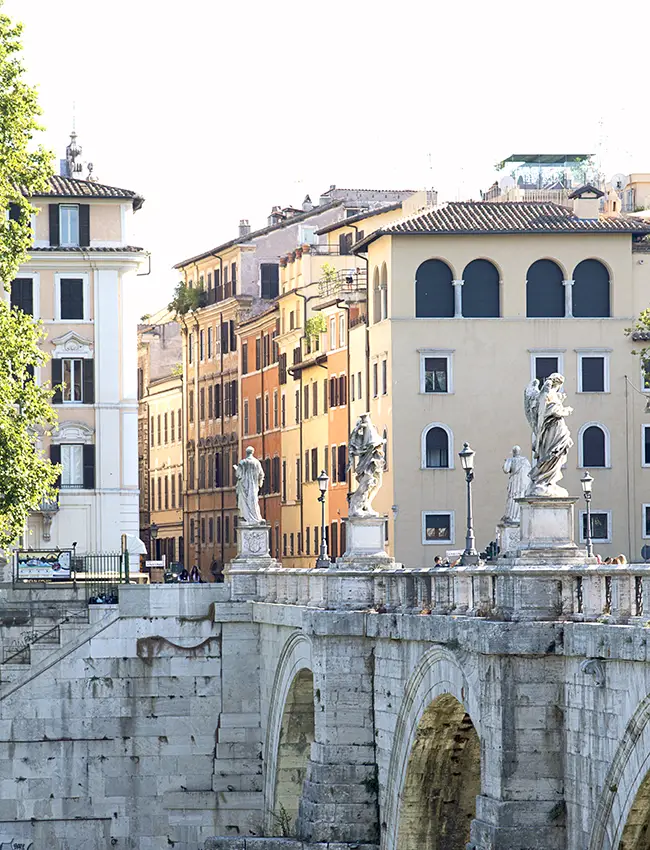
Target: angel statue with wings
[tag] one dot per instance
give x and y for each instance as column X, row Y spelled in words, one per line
column 546, row 412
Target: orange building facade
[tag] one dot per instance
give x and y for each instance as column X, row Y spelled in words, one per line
column 260, row 411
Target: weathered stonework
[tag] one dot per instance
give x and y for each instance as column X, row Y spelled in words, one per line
column 345, row 711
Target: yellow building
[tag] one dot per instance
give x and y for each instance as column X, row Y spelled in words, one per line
column 160, row 437
column 475, row 300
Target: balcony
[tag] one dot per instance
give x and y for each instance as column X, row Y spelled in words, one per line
column 47, row 506
column 348, row 285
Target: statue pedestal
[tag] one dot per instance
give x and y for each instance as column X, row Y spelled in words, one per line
column 508, row 538
column 253, row 546
column 547, row 532
column 366, row 537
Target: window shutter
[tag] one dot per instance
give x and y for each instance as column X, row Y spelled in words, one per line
column 89, row 381
column 225, row 337
column 217, row 401
column 57, row 377
column 233, row 337
column 84, row 225
column 22, row 295
column 234, row 398
column 55, row 457
column 54, row 225
column 89, row 468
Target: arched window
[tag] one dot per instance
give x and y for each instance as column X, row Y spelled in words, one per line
column 383, row 284
column 481, row 290
column 591, row 297
column 593, row 446
column 544, row 291
column 376, row 297
column 434, row 292
column 437, row 447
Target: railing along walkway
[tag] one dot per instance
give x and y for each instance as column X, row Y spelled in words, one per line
column 618, row 594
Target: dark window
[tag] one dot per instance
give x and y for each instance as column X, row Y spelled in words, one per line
column 343, row 387
column 646, row 445
column 201, row 345
column 334, row 464
column 233, row 277
column 166, row 428
column 437, row 449
column 201, row 471
column 159, row 430
column 275, row 475
column 333, row 392
column 266, row 345
column 314, row 464
column 325, row 395
column 298, row 478
column 545, row 366
column 282, row 369
column 217, row 401
column 244, row 358
column 314, row 399
column 166, row 492
column 270, row 276
column 334, row 538
column 234, row 398
column 375, row 380
column 178, row 424
column 191, row 531
column 233, row 336
column 434, row 292
column 225, row 338
column 72, row 299
column 172, row 421
column 599, row 526
column 218, row 529
column 305, row 405
column 344, row 543
column 217, row 470
column 226, row 529
column 210, row 528
column 258, row 353
column 342, row 463
column 283, row 407
column 436, row 378
column 591, row 290
column 258, row 415
column 22, row 295
column 437, row 527
column 480, row 290
column 180, row 490
column 345, row 243
column 593, row 374
column 173, row 487
column 210, row 405
column 284, row 481
column 593, row 447
column 544, row 291
column 226, row 399
column 202, row 403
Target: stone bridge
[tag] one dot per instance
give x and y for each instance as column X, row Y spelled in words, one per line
column 483, row 707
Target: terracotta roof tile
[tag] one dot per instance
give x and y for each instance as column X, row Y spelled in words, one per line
column 68, row 187
column 463, row 217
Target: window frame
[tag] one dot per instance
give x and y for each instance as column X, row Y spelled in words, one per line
column 643, row 460
column 450, row 448
column 452, row 528
column 73, row 486
column 73, row 371
column 445, row 353
column 546, row 352
column 605, row 430
column 595, row 540
column 605, row 353
column 645, row 506
column 72, row 275
column 75, row 207
column 35, row 278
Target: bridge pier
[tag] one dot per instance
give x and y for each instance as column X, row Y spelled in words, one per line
column 339, row 799
column 522, row 805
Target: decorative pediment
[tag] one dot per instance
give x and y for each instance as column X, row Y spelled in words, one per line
column 73, row 432
column 72, row 344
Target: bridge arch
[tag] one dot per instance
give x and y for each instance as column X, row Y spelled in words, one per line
column 290, row 731
column 436, row 727
column 623, row 813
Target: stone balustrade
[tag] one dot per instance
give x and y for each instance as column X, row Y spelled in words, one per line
column 617, row 594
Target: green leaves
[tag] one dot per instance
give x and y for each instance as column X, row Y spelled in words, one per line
column 186, row 300
column 643, row 325
column 26, row 475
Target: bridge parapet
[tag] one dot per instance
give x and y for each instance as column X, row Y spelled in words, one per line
column 584, row 593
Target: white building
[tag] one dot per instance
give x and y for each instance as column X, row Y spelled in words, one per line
column 78, row 282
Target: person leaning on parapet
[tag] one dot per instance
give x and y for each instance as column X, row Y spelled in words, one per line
column 437, row 561
column 183, row 576
column 195, row 575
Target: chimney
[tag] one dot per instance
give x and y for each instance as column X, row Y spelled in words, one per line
column 586, row 201
column 244, row 228
column 307, row 204
column 276, row 216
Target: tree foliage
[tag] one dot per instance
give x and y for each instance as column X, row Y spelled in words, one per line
column 26, row 476
column 186, row 300
column 642, row 327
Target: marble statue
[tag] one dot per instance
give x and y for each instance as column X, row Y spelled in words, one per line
column 366, row 447
column 517, row 468
column 546, row 412
column 249, row 477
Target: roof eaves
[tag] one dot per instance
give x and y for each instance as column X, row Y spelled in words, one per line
column 335, row 225
column 256, row 234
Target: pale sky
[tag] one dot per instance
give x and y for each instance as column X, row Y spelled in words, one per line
column 216, row 111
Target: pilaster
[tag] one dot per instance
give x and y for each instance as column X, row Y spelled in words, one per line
column 458, row 298
column 568, row 298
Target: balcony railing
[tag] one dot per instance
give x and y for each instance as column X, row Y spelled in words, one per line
column 346, row 282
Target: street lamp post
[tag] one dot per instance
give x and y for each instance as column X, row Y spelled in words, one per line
column 323, row 561
column 153, row 531
column 587, row 482
column 470, row 555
